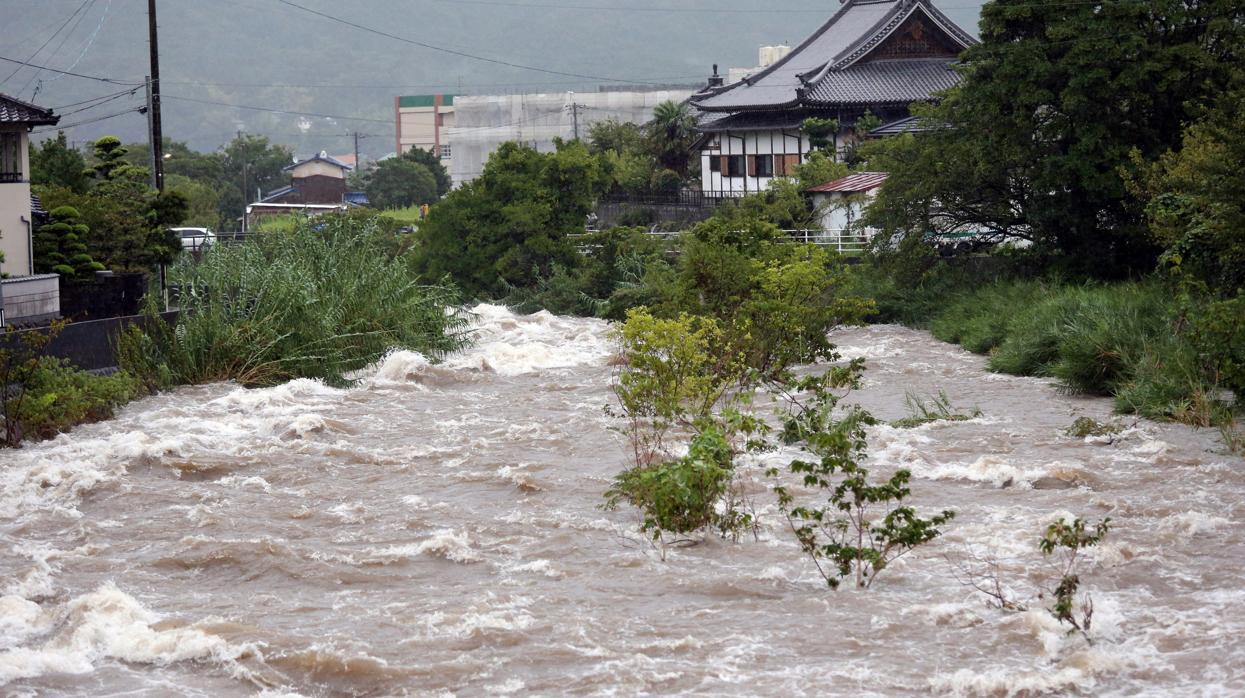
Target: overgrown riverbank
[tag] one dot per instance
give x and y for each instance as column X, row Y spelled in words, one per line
column 317, row 301
column 1157, row 353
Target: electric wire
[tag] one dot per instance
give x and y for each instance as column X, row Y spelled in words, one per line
column 27, row 62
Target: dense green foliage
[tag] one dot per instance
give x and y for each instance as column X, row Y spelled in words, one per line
column 127, row 222
column 54, row 163
column 401, row 183
column 510, row 225
column 654, row 158
column 315, row 302
column 44, row 396
column 1058, row 102
column 60, row 247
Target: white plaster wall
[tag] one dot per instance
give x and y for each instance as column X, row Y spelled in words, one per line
column 748, row 143
column 14, row 236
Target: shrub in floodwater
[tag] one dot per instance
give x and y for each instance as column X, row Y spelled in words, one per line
column 317, row 302
column 863, row 526
column 1088, row 426
column 1066, row 541
column 936, row 408
column 682, row 496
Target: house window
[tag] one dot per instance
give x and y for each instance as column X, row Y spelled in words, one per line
column 735, row 166
column 715, row 163
column 10, row 157
column 764, row 166
column 446, row 152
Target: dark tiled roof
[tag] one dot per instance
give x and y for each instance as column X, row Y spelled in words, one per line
column 15, row 111
column 826, row 62
column 860, row 181
column 322, row 157
column 891, row 81
column 356, row 198
column 754, row 121
column 911, row 124
column 276, row 194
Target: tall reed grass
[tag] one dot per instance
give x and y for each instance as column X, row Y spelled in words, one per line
column 319, row 301
column 1120, row 340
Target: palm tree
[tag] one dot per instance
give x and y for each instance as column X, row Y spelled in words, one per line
column 671, row 134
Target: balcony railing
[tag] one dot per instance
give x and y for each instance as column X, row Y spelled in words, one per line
column 11, row 178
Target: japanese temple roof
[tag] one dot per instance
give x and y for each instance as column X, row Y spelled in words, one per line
column 869, row 52
column 15, row 111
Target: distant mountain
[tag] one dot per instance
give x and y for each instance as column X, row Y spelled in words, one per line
column 269, row 54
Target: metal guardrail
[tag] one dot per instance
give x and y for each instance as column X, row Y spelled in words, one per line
column 843, row 241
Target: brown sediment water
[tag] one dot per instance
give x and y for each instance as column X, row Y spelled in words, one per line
column 436, row 530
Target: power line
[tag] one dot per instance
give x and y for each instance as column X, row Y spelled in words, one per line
column 454, row 52
column 63, row 127
column 64, row 40
column 279, row 111
column 111, row 81
column 90, row 41
column 42, row 46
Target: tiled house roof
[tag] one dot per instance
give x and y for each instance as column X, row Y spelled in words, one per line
column 15, row 111
column 322, row 157
column 852, row 183
column 869, row 52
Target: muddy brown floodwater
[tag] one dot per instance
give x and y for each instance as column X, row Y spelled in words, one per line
column 436, row 530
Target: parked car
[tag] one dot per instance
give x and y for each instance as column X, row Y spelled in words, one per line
column 195, row 239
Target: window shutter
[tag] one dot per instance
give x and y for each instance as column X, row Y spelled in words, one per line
column 752, row 165
column 789, row 162
column 725, row 165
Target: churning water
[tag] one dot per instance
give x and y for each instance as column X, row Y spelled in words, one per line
column 436, row 530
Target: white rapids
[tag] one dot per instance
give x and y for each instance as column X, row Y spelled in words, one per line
column 436, row 530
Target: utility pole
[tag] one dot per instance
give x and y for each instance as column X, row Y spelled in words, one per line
column 153, row 112
column 357, row 164
column 575, row 114
column 245, row 197
column 152, row 158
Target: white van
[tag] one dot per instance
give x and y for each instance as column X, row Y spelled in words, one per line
column 195, row 239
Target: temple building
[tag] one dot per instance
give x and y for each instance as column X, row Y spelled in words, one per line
column 876, row 56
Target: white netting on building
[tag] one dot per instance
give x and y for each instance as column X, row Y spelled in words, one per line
column 483, row 123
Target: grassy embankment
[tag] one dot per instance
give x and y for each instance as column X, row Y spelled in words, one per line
column 298, row 304
column 1124, row 340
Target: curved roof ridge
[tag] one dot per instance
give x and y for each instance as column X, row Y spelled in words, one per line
column 885, row 28
column 812, row 38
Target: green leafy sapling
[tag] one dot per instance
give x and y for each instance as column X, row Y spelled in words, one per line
column 1066, row 541
column 863, row 526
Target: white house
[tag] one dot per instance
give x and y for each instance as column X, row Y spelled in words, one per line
column 876, row 56
column 17, row 118
column 842, row 203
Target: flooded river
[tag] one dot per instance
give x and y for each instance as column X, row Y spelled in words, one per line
column 436, row 530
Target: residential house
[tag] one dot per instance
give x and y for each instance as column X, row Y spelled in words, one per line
column 23, row 297
column 842, row 203
column 876, row 56
column 317, row 185
column 17, row 118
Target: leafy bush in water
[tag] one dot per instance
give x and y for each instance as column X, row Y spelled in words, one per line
column 681, row 496
column 319, row 302
column 863, row 526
